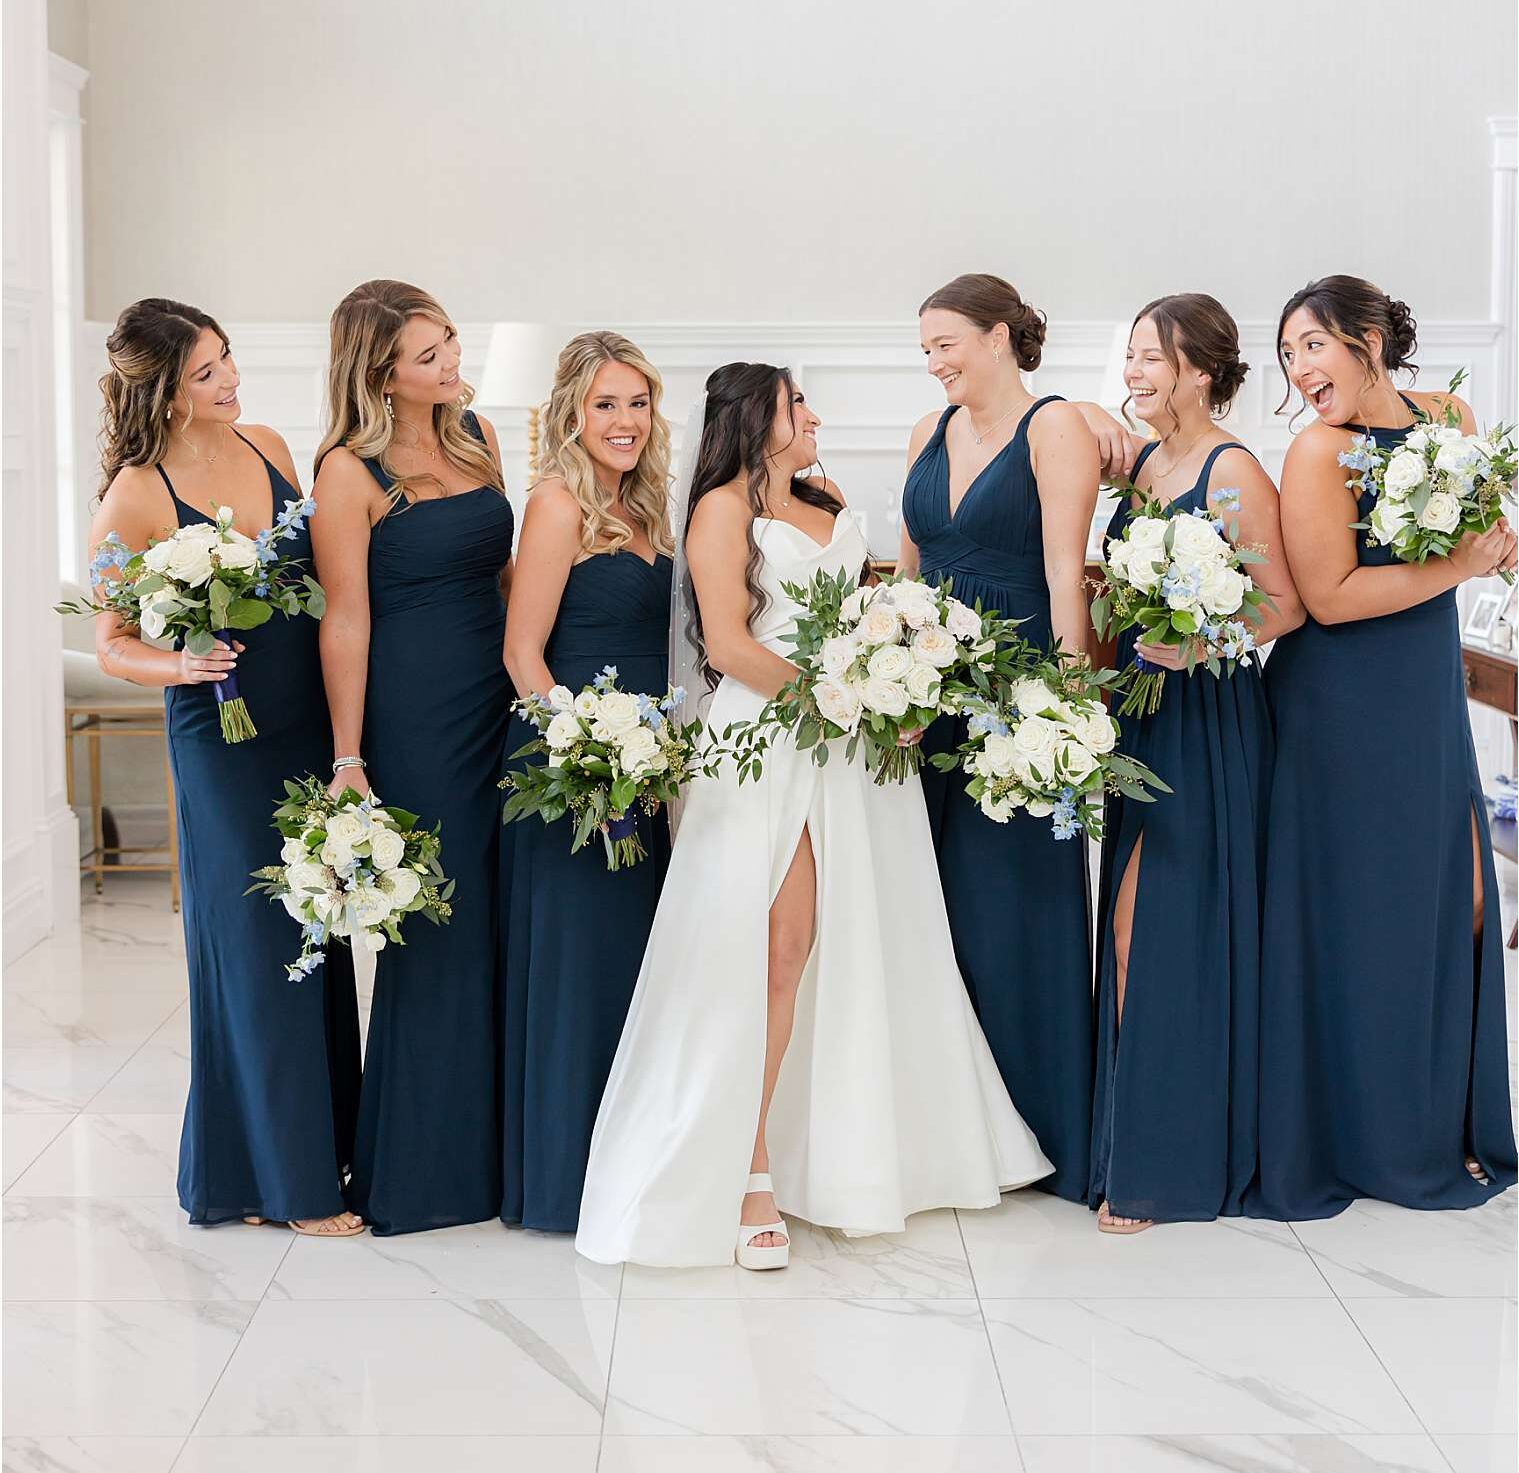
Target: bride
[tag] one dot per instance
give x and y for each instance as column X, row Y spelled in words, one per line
column 800, row 1037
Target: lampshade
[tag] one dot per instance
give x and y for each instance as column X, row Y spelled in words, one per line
column 519, row 363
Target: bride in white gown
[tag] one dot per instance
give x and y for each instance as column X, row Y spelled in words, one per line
column 799, row 1015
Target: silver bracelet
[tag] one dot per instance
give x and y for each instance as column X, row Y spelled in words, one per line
column 343, row 762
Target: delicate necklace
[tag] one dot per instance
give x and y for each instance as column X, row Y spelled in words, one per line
column 980, row 435
column 1176, row 460
column 420, row 448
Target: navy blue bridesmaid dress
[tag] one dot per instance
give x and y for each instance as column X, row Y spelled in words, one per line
column 274, row 1064
column 1174, row 1112
column 575, row 932
column 1384, row 1054
column 1017, row 896
column 428, row 1153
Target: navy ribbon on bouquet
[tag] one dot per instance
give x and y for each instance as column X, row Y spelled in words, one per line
column 226, row 689
column 622, row 828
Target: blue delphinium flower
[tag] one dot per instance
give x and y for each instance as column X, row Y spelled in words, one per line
column 111, row 556
column 649, row 712
column 304, row 966
column 673, row 699
column 1064, row 822
column 606, row 679
column 1361, row 458
column 1185, row 583
column 1226, row 498
column 261, row 588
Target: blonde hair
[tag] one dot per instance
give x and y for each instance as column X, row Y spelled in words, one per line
column 147, row 352
column 645, row 490
column 366, row 338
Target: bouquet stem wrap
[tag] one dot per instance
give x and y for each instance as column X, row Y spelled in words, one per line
column 624, row 847
column 237, row 723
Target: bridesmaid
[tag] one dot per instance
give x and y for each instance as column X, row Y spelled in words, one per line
column 413, row 532
column 592, row 589
column 1384, row 1062
column 1001, row 489
column 1174, row 1116
column 274, row 1065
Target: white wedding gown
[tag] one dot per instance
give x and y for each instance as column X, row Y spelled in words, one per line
column 888, row 1101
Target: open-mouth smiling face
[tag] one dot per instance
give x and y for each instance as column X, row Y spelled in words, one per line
column 617, row 419
column 959, row 354
column 1322, row 369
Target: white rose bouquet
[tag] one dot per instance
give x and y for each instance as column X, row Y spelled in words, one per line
column 610, row 753
column 1180, row 579
column 351, row 868
column 1047, row 749
column 202, row 582
column 1435, row 487
column 877, row 663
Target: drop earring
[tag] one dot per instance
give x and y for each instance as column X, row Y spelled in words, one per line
column 996, row 355
column 390, row 412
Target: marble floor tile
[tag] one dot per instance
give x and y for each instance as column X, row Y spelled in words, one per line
column 154, row 1081
column 120, row 1248
column 106, row 1156
column 1453, row 1358
column 481, row 1368
column 388, row 1455
column 1374, row 1248
column 23, row 1138
column 103, row 1370
column 1190, row 1366
column 927, row 1261
column 1291, row 1453
column 838, row 1454
column 814, row 1366
column 109, row 1020
column 485, row 1261
column 56, row 1078
column 1470, row 1452
column 76, row 972
column 1038, row 1246
column 89, row 1454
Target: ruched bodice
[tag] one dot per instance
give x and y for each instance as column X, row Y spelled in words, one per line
column 439, row 552
column 615, row 606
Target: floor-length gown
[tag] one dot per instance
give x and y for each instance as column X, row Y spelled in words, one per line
column 574, row 932
column 429, row 1143
column 888, row 1100
column 274, row 1064
column 1174, row 1116
column 1384, row 1050
column 1017, row 896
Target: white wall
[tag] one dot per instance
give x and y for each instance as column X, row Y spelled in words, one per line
column 38, row 850
column 793, row 161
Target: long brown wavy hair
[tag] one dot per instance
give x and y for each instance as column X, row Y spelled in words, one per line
column 147, row 352
column 645, row 489
column 735, row 434
column 366, row 338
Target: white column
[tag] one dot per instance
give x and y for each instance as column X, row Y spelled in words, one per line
column 39, row 837
column 1504, row 308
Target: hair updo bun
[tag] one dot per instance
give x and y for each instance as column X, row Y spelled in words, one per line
column 987, row 300
column 1197, row 326
column 1351, row 308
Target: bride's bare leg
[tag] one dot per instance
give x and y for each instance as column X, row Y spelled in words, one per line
column 790, row 943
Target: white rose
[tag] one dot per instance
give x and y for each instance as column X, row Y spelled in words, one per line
column 636, row 749
column 858, row 601
column 370, row 906
column 292, row 851
column 911, row 591
column 336, row 855
column 1446, row 434
column 190, row 561
column 934, row 646
column 838, row 703
column 1418, row 442
column 1075, row 763
column 561, row 697
column 1040, row 807
column 1097, row 730
column 999, row 810
column 885, row 696
column 879, row 624
column 920, row 616
column 237, row 552
column 922, row 682
column 386, row 848
column 564, row 731
column 1442, row 513
column 307, row 877
column 1033, row 697
column 323, row 905
column 962, row 621
column 617, row 711
column 1197, row 541
column 346, row 828
column 1147, row 557
column 890, row 662
column 151, row 618
column 1388, row 518
column 1036, row 739
column 1118, row 558
column 370, row 940
column 1459, row 456
column 401, row 886
column 295, row 906
column 838, row 654
column 157, row 557
column 999, row 753
column 584, row 705
column 1404, row 471
column 1223, row 589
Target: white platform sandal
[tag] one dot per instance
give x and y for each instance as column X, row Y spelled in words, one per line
column 762, row 1258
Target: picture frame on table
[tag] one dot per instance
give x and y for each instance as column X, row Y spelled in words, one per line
column 1482, row 617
